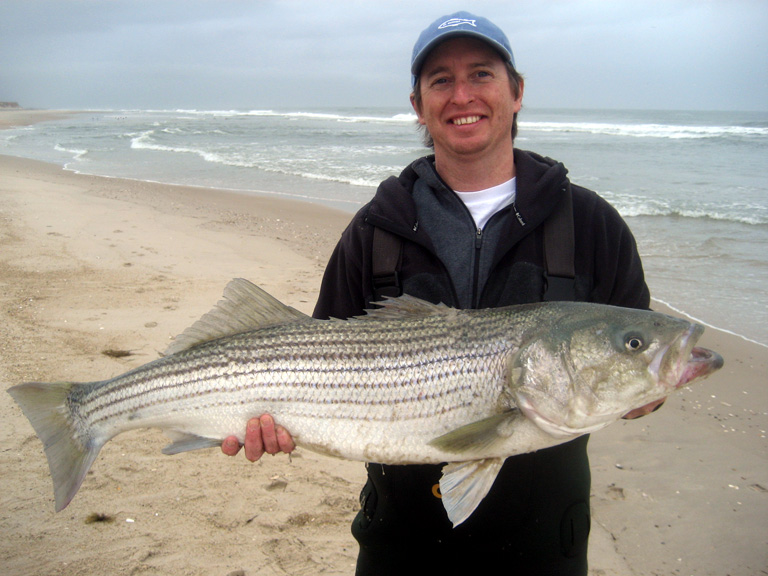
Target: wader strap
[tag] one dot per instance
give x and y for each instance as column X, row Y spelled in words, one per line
column 387, row 254
column 559, row 253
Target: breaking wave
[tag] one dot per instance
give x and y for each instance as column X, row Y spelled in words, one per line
column 404, row 118
column 665, row 131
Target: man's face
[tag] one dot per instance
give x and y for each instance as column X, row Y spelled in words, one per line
column 467, row 103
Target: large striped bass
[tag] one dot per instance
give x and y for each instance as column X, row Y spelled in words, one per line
column 410, row 382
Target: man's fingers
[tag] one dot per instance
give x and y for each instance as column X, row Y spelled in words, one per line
column 261, row 435
column 230, row 446
column 254, row 447
column 284, row 440
column 268, row 434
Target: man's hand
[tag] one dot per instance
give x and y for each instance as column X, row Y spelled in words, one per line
column 261, row 435
column 644, row 410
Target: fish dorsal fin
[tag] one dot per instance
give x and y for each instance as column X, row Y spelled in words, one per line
column 244, row 307
column 405, row 306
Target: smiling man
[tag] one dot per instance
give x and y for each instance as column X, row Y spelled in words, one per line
column 466, row 99
column 466, row 227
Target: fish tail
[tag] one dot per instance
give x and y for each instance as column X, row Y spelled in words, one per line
column 70, row 451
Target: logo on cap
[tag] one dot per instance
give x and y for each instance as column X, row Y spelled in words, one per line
column 457, row 22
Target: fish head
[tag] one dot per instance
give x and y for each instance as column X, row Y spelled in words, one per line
column 596, row 363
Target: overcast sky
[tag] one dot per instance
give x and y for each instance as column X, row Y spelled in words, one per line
column 240, row 54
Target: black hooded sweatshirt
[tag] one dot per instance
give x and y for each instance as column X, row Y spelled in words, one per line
column 537, row 512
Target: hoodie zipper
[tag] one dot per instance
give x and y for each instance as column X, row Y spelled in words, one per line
column 478, row 249
column 476, row 258
column 476, row 271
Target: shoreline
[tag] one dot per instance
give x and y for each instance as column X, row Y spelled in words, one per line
column 89, row 264
column 741, row 322
column 660, row 305
column 15, row 117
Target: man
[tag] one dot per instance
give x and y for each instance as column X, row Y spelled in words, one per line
column 469, row 225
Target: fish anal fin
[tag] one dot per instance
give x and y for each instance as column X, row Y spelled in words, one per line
column 465, row 484
column 477, row 435
column 244, row 307
column 186, row 442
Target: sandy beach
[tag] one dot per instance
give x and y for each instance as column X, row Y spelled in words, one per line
column 99, row 274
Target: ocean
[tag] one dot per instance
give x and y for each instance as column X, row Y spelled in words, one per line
column 693, row 186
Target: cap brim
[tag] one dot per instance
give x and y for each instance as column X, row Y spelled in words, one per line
column 418, row 61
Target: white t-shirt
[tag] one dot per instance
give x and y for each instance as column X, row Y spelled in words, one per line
column 485, row 203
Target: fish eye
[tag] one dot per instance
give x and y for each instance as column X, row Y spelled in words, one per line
column 633, row 343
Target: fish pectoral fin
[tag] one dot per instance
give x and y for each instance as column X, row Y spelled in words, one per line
column 480, row 434
column 185, row 442
column 465, row 484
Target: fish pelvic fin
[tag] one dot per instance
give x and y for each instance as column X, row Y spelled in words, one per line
column 244, row 307
column 70, row 453
column 478, row 435
column 463, row 486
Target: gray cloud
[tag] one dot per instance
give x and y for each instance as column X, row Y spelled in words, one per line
column 220, row 54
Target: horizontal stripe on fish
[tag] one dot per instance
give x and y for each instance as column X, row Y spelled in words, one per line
column 297, row 384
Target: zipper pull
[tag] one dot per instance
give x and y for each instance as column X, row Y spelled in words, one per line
column 479, row 238
column 518, row 215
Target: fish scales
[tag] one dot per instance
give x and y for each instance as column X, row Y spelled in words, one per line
column 412, row 382
column 412, row 372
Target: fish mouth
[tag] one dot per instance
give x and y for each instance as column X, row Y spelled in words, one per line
column 701, row 363
column 682, row 361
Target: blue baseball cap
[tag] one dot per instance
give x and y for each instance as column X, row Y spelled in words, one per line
column 452, row 26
